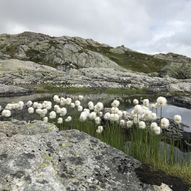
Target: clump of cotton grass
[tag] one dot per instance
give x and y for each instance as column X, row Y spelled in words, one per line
column 77, row 103
column 129, row 124
column 161, row 102
column 45, row 119
column 98, row 107
column 72, row 105
column 142, row 125
column 91, row 105
column 135, row 101
column 60, row 120
column 6, row 113
column 30, row 110
column 80, row 108
column 164, row 123
column 146, row 102
column 97, row 120
column 29, row 103
column 68, row 101
column 115, row 103
column 63, row 101
column 177, row 119
column 56, row 99
column 63, row 111
column 83, row 116
column 80, row 97
column 122, row 123
column 155, row 128
column 99, row 129
column 52, row 115
column 114, row 117
column 107, row 116
column 68, row 119
column 92, row 115
column 138, row 109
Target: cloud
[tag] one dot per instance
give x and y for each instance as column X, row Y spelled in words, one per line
column 145, row 25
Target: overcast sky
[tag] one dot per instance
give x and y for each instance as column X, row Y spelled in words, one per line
column 145, row 25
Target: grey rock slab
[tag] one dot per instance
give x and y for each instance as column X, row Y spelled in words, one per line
column 62, row 160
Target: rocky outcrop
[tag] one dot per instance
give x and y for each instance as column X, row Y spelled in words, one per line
column 38, row 157
column 30, row 60
column 178, row 66
column 62, row 52
column 10, row 90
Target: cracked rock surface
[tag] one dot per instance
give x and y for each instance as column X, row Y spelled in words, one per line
column 37, row 157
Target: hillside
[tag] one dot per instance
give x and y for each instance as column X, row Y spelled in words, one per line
column 75, row 52
column 40, row 62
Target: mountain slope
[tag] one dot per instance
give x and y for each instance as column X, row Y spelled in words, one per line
column 74, row 52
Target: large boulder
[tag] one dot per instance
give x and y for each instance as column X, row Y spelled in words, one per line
column 37, row 157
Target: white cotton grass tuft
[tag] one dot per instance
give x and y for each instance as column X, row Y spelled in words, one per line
column 83, row 116
column 80, row 108
column 72, row 105
column 129, row 124
column 114, row 117
column 157, row 130
column 56, row 99
column 177, row 119
column 142, row 125
column 6, row 113
column 68, row 101
column 99, row 129
column 115, row 103
column 153, row 125
column 122, row 123
column 91, row 105
column 77, row 103
column 80, row 97
column 52, row 115
column 161, row 101
column 60, row 120
column 164, row 123
column 138, row 109
column 135, row 101
column 68, row 119
column 92, row 115
column 29, row 103
column 63, row 111
column 107, row 116
column 97, row 120
column 146, row 102
column 30, row 110
column 98, row 107
column 45, row 119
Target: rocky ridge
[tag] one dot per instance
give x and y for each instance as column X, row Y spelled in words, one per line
column 35, row 59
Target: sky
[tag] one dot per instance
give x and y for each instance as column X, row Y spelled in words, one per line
column 149, row 26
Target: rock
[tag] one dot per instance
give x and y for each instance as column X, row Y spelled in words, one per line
column 179, row 66
column 10, row 90
column 38, row 157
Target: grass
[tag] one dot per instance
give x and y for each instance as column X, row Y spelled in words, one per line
column 144, row 146
column 51, row 88
column 134, row 61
